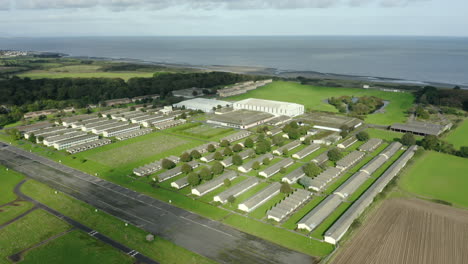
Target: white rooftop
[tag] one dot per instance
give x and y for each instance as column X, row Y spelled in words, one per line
column 268, row 103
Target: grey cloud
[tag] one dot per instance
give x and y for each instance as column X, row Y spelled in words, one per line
column 119, row 5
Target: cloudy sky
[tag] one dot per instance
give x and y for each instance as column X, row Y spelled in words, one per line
column 36, row 18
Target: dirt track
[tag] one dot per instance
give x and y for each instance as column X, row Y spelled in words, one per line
column 409, row 232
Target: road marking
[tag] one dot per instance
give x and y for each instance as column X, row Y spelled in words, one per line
column 121, row 193
column 93, row 233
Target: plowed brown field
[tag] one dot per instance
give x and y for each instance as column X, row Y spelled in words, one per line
column 409, row 231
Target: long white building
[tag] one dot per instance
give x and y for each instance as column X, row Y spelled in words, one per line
column 276, row 108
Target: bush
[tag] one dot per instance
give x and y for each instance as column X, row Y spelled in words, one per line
column 211, row 148
column 186, row 168
column 227, row 151
column 231, row 199
column 195, row 154
column 408, row 139
column 237, row 148
column 334, row 155
column 218, row 156
column 206, row 174
column 193, row 179
column 224, row 143
column 248, row 143
column 217, row 168
column 256, row 165
column 362, row 136
column 167, row 164
column 185, row 157
column 227, row 182
column 237, row 160
column 266, row 161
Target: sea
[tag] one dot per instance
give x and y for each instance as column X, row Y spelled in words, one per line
column 407, row 59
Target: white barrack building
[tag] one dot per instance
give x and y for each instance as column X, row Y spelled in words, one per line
column 276, row 108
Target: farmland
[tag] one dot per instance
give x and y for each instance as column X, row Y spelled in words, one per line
column 395, row 234
column 81, row 71
column 438, row 176
column 313, row 98
column 458, row 137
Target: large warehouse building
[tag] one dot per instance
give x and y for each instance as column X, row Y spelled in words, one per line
column 206, row 105
column 272, row 107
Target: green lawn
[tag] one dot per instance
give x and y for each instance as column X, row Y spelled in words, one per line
column 28, row 231
column 75, row 247
column 313, row 98
column 438, row 176
column 387, row 134
column 459, row 136
column 9, row 179
column 161, row 250
column 11, row 211
column 125, row 152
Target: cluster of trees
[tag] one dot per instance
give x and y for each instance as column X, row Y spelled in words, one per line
column 204, row 174
column 362, row 106
column 294, row 131
column 430, row 142
column 456, row 97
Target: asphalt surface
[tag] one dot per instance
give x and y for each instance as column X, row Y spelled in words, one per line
column 209, row 238
column 137, row 255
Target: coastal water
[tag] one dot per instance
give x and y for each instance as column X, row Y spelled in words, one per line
column 436, row 59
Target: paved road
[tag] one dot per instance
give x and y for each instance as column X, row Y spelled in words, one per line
column 141, row 258
column 191, row 231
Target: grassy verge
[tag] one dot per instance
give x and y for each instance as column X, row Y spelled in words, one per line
column 28, row 231
column 160, row 249
column 75, row 247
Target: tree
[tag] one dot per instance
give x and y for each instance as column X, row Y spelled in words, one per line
column 311, row 169
column 231, row 199
column 294, row 133
column 283, row 170
column 408, row 139
column 248, row 143
column 285, row 152
column 206, row 174
column 217, row 168
column 185, row 157
column 362, row 136
column 195, row 154
column 224, row 143
column 227, row 151
column 334, row 155
column 256, row 165
column 464, row 151
column 227, row 182
column 211, row 148
column 218, row 156
column 193, row 179
column 167, row 164
column 32, row 138
column 266, row 161
column 430, row 142
column 278, row 140
column 186, row 168
column 286, row 188
column 237, row 148
column 237, row 160
column 344, row 133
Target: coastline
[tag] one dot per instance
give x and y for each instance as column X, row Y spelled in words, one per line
column 256, row 70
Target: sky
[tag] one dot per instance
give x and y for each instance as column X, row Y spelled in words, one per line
column 56, row 18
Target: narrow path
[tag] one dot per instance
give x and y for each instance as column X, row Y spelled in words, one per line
column 17, row 257
column 141, row 258
column 18, row 217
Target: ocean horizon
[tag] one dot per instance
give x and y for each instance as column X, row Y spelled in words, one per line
column 419, row 59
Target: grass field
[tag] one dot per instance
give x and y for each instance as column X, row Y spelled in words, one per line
column 313, row 98
column 75, row 247
column 160, row 249
column 117, row 154
column 82, row 71
column 11, row 211
column 438, row 176
column 9, row 179
column 459, row 136
column 28, row 231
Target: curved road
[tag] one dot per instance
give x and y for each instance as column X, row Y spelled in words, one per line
column 209, row 238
